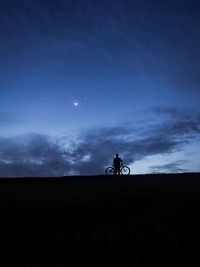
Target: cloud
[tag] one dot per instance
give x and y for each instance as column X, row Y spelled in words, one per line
column 170, row 167
column 30, row 155
column 93, row 150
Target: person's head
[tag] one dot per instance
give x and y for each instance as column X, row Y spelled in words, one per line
column 117, row 155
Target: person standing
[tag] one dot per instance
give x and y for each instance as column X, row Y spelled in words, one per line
column 117, row 163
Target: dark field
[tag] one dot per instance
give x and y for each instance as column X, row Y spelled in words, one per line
column 139, row 220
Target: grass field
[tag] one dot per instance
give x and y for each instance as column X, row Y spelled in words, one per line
column 139, row 220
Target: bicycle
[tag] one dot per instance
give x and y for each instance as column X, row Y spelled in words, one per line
column 124, row 170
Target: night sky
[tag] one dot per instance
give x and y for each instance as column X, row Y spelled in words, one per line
column 83, row 80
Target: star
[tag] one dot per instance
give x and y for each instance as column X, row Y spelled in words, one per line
column 75, row 104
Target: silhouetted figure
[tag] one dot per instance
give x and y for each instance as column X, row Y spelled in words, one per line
column 117, row 163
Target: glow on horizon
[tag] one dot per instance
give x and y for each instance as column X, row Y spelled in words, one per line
column 186, row 160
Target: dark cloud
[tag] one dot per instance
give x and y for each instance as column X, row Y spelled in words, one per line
column 174, row 113
column 39, row 155
column 30, row 155
column 170, row 167
column 178, row 123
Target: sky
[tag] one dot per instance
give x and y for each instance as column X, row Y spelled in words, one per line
column 83, row 80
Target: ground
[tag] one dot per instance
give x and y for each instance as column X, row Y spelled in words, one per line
column 139, row 220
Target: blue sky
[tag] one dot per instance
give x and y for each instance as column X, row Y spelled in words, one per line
column 132, row 67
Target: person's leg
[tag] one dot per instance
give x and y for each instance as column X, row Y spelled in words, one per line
column 115, row 170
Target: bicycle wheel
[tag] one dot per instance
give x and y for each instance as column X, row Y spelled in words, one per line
column 110, row 171
column 125, row 170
